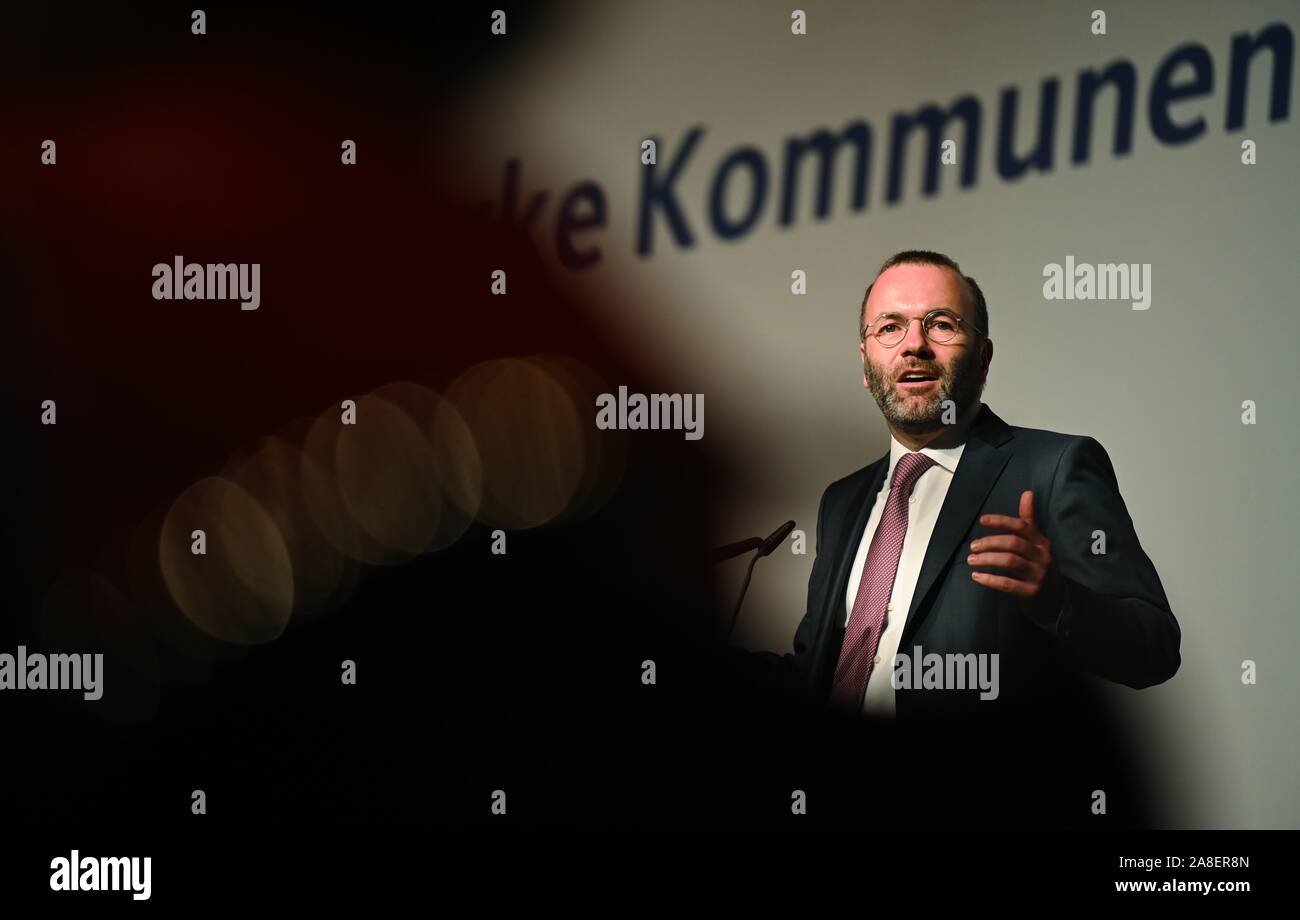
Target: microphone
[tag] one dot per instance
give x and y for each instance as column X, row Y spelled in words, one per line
column 763, row 548
column 723, row 553
column 776, row 538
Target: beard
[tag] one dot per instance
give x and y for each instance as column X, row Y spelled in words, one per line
column 922, row 413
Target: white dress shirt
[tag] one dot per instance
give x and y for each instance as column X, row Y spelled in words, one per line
column 922, row 511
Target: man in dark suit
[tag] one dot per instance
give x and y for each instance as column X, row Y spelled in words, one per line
column 978, row 566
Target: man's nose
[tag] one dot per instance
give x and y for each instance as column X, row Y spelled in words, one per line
column 914, row 340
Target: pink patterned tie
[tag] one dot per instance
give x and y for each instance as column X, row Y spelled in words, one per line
column 862, row 638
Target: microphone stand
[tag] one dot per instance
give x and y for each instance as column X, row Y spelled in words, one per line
column 740, row 600
column 762, row 548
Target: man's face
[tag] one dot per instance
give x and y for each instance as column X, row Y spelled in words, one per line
column 956, row 370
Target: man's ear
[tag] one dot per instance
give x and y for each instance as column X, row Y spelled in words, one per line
column 862, row 356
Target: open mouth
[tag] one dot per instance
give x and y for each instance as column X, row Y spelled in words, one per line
column 916, row 380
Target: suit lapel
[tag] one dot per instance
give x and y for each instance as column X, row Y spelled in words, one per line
column 848, row 537
column 981, row 463
column 859, row 509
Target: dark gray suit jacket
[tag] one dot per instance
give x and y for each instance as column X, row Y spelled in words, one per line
column 1117, row 623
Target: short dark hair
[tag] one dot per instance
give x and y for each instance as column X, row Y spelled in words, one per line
column 926, row 257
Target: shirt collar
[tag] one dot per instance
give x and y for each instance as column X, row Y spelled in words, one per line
column 946, row 457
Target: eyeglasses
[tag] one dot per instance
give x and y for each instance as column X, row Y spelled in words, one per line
column 940, row 327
